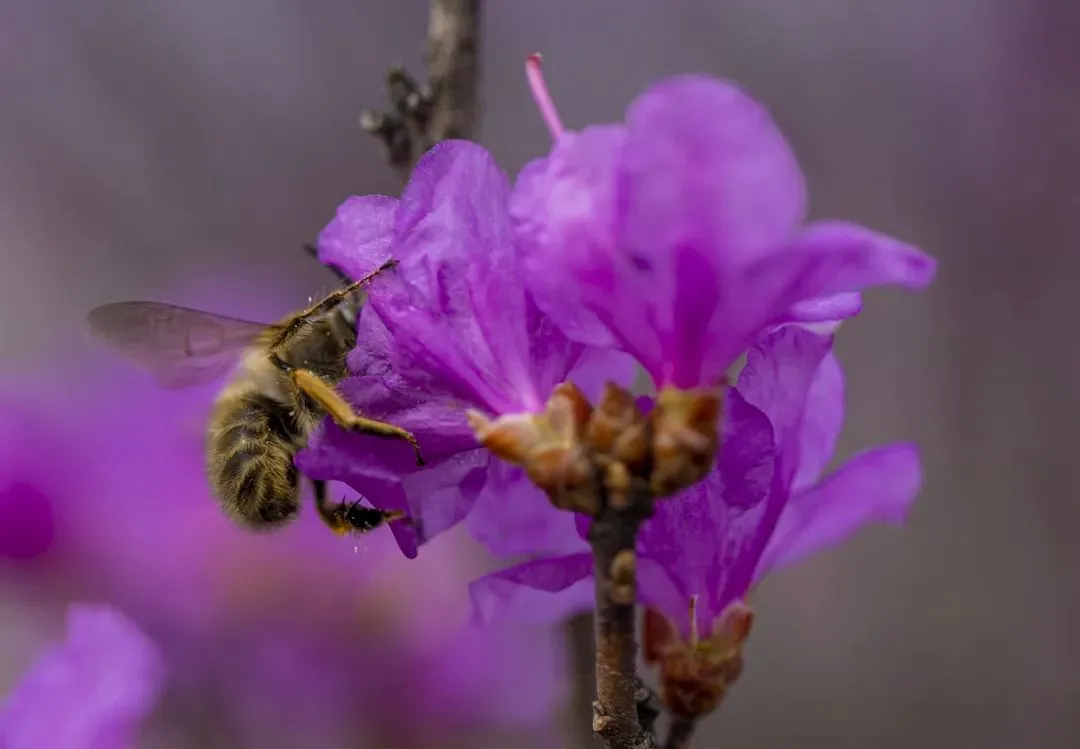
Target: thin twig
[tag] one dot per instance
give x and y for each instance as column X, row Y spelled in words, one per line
column 582, row 682
column 680, row 732
column 453, row 68
column 446, row 106
column 612, row 536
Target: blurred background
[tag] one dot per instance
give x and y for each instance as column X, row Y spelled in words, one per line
column 185, row 152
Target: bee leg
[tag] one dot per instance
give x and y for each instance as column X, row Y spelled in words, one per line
column 330, row 513
column 344, row 517
column 320, row 391
column 323, row 306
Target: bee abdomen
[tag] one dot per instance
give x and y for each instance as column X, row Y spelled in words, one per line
column 252, row 473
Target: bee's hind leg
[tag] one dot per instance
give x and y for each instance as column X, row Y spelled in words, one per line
column 331, row 514
column 330, row 400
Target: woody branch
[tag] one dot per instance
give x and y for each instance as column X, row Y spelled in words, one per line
column 445, row 105
column 617, row 712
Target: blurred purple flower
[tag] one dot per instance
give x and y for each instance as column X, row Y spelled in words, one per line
column 383, row 663
column 451, row 327
column 679, row 236
column 139, row 528
column 30, row 485
column 763, row 507
column 91, row 692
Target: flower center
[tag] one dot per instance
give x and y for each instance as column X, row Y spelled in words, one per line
column 542, row 96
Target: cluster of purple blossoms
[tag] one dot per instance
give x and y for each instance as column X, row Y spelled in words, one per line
column 452, row 327
column 673, row 241
column 764, row 506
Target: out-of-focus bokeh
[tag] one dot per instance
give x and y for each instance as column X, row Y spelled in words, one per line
column 186, row 151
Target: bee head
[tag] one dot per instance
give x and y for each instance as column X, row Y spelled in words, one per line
column 359, row 519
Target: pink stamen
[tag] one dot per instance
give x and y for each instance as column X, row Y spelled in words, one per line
column 542, row 96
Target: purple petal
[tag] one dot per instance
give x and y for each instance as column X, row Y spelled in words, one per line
column 877, row 486
column 553, row 589
column 581, row 524
column 825, row 309
column 597, row 367
column 552, row 356
column 562, row 213
column 435, row 498
column 376, row 468
column 455, row 302
column 706, row 184
column 436, row 421
column 658, row 589
column 92, row 692
column 833, row 257
column 705, row 168
column 31, row 489
column 359, row 238
column 823, row 419
column 512, row 517
column 374, row 352
column 677, row 238
column 821, row 328
column 334, row 455
column 708, row 538
column 29, row 526
column 442, row 495
column 777, row 379
column 546, row 590
column 824, row 261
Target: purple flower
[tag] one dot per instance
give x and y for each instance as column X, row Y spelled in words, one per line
column 30, row 487
column 415, row 679
column 450, row 328
column 92, row 691
column 764, row 506
column 681, row 233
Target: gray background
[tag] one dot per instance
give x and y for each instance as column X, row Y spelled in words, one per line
column 144, row 142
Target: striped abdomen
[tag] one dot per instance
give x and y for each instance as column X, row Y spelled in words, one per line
column 251, row 444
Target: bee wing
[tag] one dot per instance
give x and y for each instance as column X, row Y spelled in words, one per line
column 177, row 345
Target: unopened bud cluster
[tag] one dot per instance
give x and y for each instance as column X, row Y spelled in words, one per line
column 696, row 673
column 572, row 449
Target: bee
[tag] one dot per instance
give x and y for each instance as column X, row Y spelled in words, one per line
column 283, row 384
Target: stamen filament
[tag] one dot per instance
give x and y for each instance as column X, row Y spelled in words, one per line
column 693, row 621
column 542, row 96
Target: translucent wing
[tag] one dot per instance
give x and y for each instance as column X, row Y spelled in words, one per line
column 177, row 345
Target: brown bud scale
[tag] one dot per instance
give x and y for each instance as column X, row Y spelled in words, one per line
column 695, row 675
